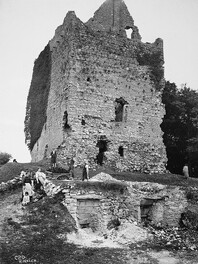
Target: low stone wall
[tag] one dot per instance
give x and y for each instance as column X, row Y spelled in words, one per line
column 50, row 188
column 11, row 184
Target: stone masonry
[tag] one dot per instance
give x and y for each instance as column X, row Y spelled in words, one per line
column 99, row 204
column 96, row 94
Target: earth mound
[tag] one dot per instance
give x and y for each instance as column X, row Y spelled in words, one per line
column 103, row 177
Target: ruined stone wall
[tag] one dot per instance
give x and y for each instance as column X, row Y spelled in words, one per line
column 110, row 205
column 103, row 74
column 90, row 71
column 111, row 16
column 60, row 94
column 118, row 202
column 110, row 198
column 169, row 202
column 100, row 74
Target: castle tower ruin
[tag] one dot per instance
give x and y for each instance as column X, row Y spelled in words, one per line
column 96, row 94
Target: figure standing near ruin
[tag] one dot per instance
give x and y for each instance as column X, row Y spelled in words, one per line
column 186, row 171
column 40, row 179
column 26, row 199
column 71, row 168
column 31, row 176
column 22, row 175
column 27, row 188
column 53, row 159
column 85, row 174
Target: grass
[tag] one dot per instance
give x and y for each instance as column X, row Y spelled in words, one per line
column 106, row 186
column 40, row 236
column 166, row 179
column 10, row 170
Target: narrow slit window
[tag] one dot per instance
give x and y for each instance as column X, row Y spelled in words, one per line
column 65, row 121
column 121, row 151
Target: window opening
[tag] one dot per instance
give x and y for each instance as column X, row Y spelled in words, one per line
column 129, row 32
column 121, row 151
column 83, row 122
column 102, row 145
column 120, row 110
column 65, row 121
column 88, row 79
column 45, row 151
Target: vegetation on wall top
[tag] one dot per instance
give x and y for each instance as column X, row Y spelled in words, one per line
column 154, row 59
column 38, row 97
column 180, row 127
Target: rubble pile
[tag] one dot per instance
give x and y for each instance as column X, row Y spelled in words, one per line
column 190, row 218
column 128, row 233
column 173, row 238
column 103, row 177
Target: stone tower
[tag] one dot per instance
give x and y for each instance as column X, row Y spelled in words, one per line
column 96, row 94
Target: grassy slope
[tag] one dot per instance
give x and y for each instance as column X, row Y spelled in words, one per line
column 10, row 170
column 38, row 237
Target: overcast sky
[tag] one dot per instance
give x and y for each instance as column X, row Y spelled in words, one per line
column 26, row 26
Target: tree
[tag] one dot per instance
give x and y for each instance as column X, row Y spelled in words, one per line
column 4, row 158
column 180, row 126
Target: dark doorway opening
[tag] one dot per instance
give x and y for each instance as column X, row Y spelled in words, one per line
column 88, row 213
column 102, row 145
column 146, row 206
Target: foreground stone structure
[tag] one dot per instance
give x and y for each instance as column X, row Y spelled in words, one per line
column 101, row 205
column 96, row 94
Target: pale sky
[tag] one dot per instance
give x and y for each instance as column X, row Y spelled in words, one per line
column 26, row 26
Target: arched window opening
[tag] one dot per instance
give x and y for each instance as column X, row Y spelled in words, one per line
column 129, row 32
column 121, row 151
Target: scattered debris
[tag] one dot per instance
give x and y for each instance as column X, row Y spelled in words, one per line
column 174, row 238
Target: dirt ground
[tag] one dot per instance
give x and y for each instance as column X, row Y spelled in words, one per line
column 86, row 246
column 10, row 207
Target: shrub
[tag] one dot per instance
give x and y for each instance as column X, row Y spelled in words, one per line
column 4, row 158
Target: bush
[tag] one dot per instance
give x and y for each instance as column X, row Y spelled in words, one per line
column 4, row 158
